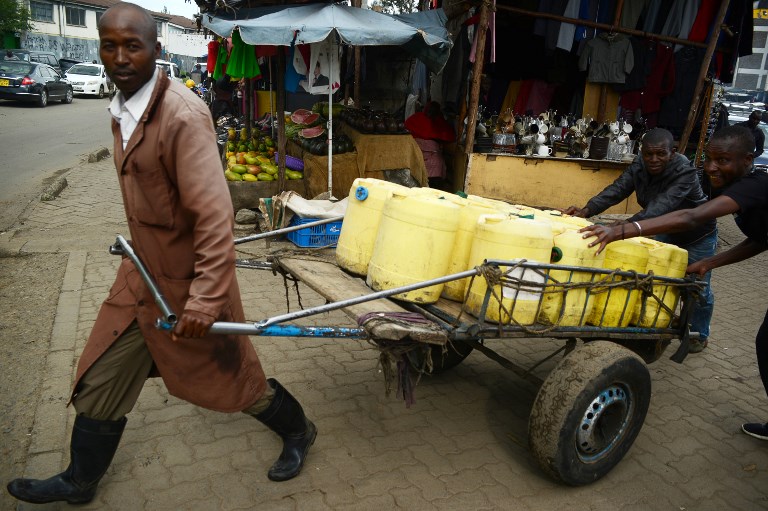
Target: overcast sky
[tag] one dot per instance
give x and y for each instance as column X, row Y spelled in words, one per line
column 178, row 7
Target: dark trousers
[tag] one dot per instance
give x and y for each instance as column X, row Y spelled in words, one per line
column 761, row 348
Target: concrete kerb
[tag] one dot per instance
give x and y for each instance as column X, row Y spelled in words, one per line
column 54, row 189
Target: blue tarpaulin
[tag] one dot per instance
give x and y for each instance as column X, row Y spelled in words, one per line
column 423, row 34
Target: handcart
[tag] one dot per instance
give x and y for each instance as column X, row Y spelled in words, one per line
column 592, row 404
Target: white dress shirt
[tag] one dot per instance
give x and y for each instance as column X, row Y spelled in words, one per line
column 128, row 112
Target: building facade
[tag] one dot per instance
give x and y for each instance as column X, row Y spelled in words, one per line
column 69, row 29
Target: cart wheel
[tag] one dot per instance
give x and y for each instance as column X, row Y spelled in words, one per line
column 456, row 352
column 588, row 412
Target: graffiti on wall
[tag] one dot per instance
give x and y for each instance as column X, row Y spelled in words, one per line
column 62, row 47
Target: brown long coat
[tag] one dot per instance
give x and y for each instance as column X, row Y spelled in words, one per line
column 180, row 219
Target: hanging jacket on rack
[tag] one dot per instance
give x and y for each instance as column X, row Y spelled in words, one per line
column 609, row 58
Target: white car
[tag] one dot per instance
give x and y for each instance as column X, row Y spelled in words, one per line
column 89, row 79
column 171, row 69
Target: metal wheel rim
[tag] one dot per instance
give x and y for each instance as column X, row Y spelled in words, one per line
column 604, row 422
column 44, row 98
column 69, row 95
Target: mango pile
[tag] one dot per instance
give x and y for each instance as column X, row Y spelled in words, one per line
column 250, row 159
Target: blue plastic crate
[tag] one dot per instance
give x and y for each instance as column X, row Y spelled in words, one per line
column 325, row 235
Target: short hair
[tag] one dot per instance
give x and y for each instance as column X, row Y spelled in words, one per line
column 147, row 26
column 741, row 138
column 659, row 136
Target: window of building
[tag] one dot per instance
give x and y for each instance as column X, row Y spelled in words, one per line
column 159, row 28
column 98, row 17
column 75, row 16
column 41, row 11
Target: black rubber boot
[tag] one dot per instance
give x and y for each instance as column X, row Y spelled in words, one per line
column 93, row 445
column 286, row 418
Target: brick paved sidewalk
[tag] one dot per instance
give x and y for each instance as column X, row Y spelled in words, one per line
column 462, row 446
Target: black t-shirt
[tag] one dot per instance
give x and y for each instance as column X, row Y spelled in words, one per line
column 751, row 194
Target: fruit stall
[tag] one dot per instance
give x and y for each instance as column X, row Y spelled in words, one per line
column 359, row 149
column 347, row 153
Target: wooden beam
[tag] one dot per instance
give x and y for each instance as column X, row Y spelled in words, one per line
column 717, row 28
column 280, row 112
column 602, row 26
column 477, row 73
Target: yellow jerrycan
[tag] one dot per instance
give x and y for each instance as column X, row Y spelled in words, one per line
column 613, row 306
column 361, row 222
column 465, row 235
column 566, row 302
column 414, row 244
column 500, row 237
column 664, row 260
column 494, row 203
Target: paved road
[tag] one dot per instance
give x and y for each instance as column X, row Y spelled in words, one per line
column 38, row 142
column 462, row 446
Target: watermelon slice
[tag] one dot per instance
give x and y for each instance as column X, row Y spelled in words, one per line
column 312, row 132
column 299, row 116
column 311, row 119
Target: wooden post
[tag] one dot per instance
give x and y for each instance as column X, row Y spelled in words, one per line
column 477, row 74
column 280, row 112
column 718, row 26
column 356, row 91
column 248, row 96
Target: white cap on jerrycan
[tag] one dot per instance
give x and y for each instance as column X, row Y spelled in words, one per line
column 361, row 222
column 509, row 238
column 414, row 244
column 614, row 307
column 564, row 304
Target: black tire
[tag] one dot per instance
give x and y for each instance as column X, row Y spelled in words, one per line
column 588, row 412
column 101, row 92
column 42, row 102
column 454, row 354
column 68, row 97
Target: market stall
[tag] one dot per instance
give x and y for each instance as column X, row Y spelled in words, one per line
column 373, row 155
column 551, row 75
column 332, row 26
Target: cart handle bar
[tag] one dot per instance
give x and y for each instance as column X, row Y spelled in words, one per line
column 286, row 230
column 122, row 247
column 168, row 319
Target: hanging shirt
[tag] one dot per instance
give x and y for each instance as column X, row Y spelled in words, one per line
column 609, row 57
column 128, row 112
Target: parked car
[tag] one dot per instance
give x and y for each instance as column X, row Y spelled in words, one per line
column 89, row 79
column 171, row 69
column 32, row 81
column 67, row 63
column 762, row 160
column 44, row 57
